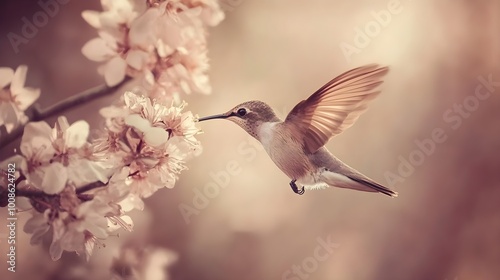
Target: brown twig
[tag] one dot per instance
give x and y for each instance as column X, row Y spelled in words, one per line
column 35, row 114
column 35, row 193
column 90, row 186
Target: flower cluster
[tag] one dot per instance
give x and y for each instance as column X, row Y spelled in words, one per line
column 15, row 98
column 56, row 164
column 151, row 139
column 162, row 43
column 90, row 186
column 81, row 190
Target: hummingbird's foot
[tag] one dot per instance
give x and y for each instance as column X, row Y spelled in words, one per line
column 295, row 189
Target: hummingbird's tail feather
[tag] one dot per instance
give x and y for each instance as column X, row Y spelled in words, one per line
column 375, row 186
column 355, row 182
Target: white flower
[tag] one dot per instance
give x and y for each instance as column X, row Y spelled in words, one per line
column 15, row 99
column 37, row 153
column 118, row 192
column 116, row 14
column 153, row 136
column 52, row 157
column 37, row 225
column 73, row 158
column 164, row 45
column 113, row 44
column 76, row 226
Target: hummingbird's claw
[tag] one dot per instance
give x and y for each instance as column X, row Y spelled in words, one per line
column 302, row 191
column 295, row 189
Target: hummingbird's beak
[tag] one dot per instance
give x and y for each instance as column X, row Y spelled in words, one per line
column 219, row 116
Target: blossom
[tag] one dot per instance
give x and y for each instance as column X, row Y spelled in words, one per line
column 75, row 225
column 81, row 191
column 112, row 46
column 162, row 44
column 53, row 157
column 15, row 99
column 153, row 140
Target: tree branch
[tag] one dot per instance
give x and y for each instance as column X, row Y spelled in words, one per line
column 34, row 193
column 90, row 186
column 35, row 114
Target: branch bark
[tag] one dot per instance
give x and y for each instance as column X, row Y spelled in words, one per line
column 35, row 114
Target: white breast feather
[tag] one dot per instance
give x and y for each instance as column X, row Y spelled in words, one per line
column 265, row 134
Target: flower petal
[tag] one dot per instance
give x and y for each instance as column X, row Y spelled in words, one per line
column 92, row 18
column 138, row 122
column 58, row 230
column 115, row 71
column 54, row 179
column 137, row 59
column 156, row 136
column 76, row 135
column 131, row 202
column 6, row 75
column 19, row 78
column 35, row 129
column 26, row 96
column 38, row 226
column 8, row 116
column 97, row 49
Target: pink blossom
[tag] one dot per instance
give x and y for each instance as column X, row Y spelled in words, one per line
column 163, row 45
column 15, row 99
column 53, row 157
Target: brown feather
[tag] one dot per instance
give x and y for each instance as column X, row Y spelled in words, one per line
column 335, row 106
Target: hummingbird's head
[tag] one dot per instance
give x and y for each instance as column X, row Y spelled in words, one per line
column 248, row 115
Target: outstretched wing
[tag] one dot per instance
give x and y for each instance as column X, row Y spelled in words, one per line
column 335, row 106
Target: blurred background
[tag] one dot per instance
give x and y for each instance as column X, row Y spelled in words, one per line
column 445, row 223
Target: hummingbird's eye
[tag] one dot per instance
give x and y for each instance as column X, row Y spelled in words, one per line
column 241, row 112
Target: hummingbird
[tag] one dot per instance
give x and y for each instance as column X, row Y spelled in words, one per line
column 297, row 144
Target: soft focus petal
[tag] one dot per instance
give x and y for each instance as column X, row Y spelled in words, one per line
column 55, row 249
column 55, row 178
column 156, row 136
column 84, row 171
column 97, row 49
column 37, row 225
column 19, row 78
column 138, row 122
column 17, row 160
column 131, row 202
column 137, row 59
column 143, row 30
column 8, row 116
column 6, row 75
column 26, row 96
column 115, row 71
column 76, row 135
column 32, row 129
column 92, row 18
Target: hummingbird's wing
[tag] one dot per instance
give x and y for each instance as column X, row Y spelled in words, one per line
column 335, row 106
